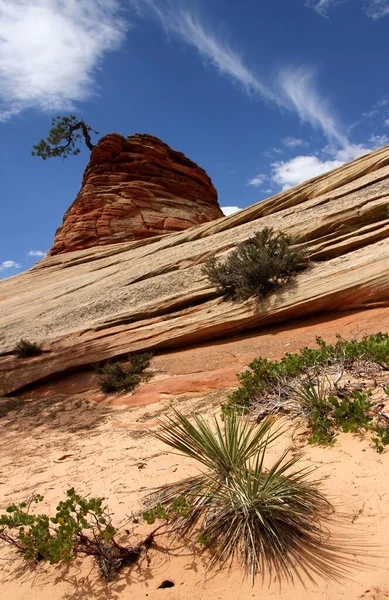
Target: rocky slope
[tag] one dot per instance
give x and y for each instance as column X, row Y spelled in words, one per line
column 102, row 302
column 135, row 188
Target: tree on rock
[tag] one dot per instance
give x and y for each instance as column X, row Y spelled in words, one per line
column 63, row 139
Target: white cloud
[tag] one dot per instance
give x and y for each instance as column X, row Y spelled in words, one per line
column 9, row 264
column 287, row 174
column 295, row 89
column 386, row 122
column 300, row 168
column 376, row 9
column 230, row 210
column 258, row 180
column 50, row 50
column 38, row 253
column 291, row 142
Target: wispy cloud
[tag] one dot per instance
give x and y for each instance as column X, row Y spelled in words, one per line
column 376, row 9
column 37, row 253
column 295, row 89
column 291, row 142
column 379, row 140
column 9, row 264
column 258, row 180
column 188, row 27
column 321, row 6
column 50, row 49
column 301, row 92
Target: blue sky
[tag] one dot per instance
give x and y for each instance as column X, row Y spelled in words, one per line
column 263, row 94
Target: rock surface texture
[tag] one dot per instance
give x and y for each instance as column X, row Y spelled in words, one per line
column 103, row 302
column 135, row 188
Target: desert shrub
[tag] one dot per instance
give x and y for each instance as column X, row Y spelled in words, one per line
column 114, row 377
column 80, row 526
column 258, row 266
column 269, row 518
column 299, row 383
column 265, row 376
column 24, row 349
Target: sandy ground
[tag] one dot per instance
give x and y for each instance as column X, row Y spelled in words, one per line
column 49, row 444
column 110, row 453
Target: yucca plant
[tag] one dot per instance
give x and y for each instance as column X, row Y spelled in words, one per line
column 220, row 450
column 270, row 519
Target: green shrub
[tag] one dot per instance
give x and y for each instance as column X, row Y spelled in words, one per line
column 300, row 380
column 265, row 376
column 269, row 518
column 115, row 378
column 24, row 349
column 258, row 266
column 81, row 526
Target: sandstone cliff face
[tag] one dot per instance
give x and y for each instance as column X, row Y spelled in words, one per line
column 103, row 302
column 134, row 188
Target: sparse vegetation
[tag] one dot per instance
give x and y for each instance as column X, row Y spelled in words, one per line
column 64, row 136
column 24, row 349
column 259, row 266
column 81, row 527
column 309, row 383
column 269, row 518
column 115, row 378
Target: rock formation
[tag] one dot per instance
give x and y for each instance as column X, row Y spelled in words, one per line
column 103, row 302
column 135, row 188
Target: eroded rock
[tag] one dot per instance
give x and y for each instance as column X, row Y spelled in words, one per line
column 135, row 188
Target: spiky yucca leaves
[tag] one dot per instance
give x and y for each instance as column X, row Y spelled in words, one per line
column 219, row 449
column 269, row 518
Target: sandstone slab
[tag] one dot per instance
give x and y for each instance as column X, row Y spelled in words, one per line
column 103, row 302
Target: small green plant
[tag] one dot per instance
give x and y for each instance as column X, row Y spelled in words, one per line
column 270, row 518
column 24, row 349
column 80, row 526
column 353, row 412
column 381, row 439
column 114, row 377
column 260, row 265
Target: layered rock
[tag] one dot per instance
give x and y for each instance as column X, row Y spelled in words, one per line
column 104, row 302
column 134, row 188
